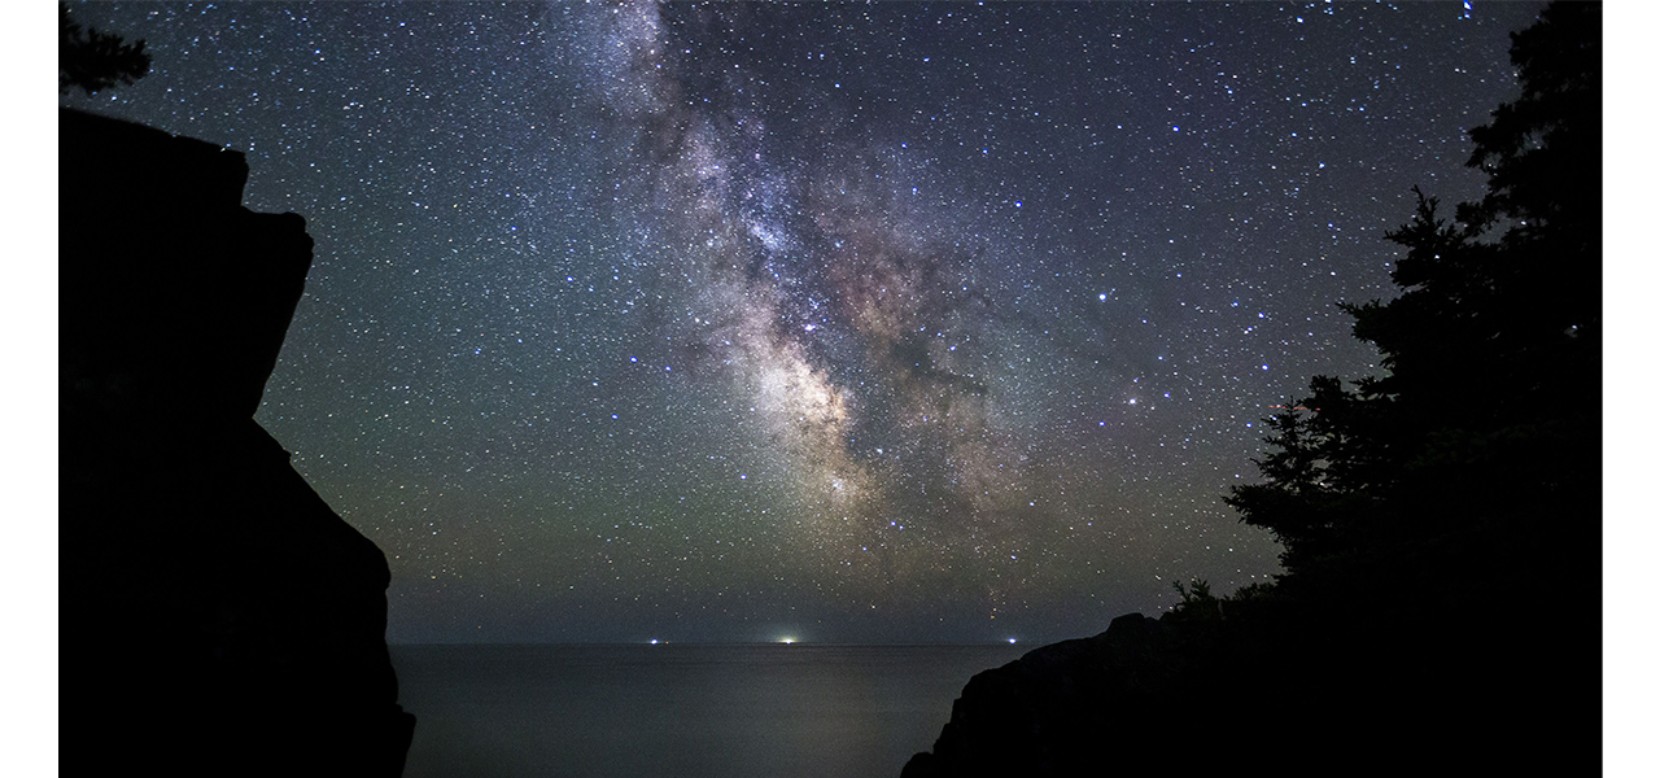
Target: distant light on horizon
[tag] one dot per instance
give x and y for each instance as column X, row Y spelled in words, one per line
column 1011, row 641
column 655, row 641
column 787, row 640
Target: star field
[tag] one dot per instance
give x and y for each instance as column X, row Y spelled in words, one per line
column 903, row 322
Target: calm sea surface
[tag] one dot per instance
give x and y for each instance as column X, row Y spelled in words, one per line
column 680, row 710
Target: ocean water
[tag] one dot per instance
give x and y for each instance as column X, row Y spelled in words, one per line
column 679, row 711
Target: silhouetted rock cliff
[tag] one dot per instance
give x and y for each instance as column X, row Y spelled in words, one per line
column 1097, row 705
column 218, row 618
column 1276, row 685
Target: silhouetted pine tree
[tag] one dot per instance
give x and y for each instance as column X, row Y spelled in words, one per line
column 1471, row 466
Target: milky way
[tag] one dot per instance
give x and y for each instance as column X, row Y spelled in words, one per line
column 896, row 322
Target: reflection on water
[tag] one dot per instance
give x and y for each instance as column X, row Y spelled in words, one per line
column 679, row 710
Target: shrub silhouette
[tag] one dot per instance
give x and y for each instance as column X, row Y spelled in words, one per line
column 93, row 61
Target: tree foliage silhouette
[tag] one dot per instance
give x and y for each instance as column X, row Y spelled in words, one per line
column 93, row 60
column 1476, row 452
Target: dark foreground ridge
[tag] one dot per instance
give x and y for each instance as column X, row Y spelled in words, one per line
column 218, row 618
column 1270, row 685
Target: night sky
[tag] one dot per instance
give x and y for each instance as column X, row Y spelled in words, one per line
column 893, row 323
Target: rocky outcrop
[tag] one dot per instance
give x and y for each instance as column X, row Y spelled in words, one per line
column 1072, row 708
column 218, row 617
column 1280, row 688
